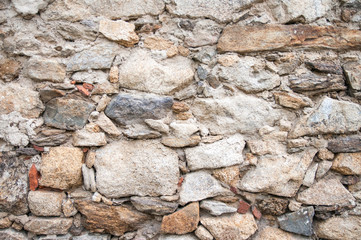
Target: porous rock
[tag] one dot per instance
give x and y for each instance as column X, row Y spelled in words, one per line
column 11, row 234
column 48, row 225
column 84, row 138
column 45, row 203
column 42, row 69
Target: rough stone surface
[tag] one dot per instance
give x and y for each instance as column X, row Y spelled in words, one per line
column 228, row 175
column 107, row 125
column 279, row 175
column 9, row 69
column 178, row 237
column 158, row 43
column 48, row 225
column 353, row 76
column 326, row 192
column 299, row 222
column 339, row 228
column 212, row 155
column 279, row 37
column 198, row 186
column 183, row 221
column 347, row 163
column 68, row 208
column 133, row 171
column 331, row 116
column 217, row 208
column 45, row 203
column 88, row 178
column 119, row 31
column 345, row 145
column 115, row 220
column 29, row 7
column 127, row 108
column 84, row 138
column 69, row 114
column 158, row 125
column 203, row 234
column 205, row 32
column 272, row 233
column 61, row 168
column 153, row 205
column 141, row 72
column 11, row 234
column 179, row 142
column 290, row 100
column 235, row 226
column 273, row 206
column 45, row 70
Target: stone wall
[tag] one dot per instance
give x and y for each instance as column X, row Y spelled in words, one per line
column 180, row 119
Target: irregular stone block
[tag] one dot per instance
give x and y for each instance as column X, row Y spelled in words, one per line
column 158, row 43
column 353, row 76
column 119, row 31
column 290, row 100
column 203, row 234
column 348, row 163
column 273, row 206
column 83, row 138
column 348, row 144
column 205, row 32
column 107, row 125
column 245, row 39
column 270, row 233
column 153, row 206
column 45, row 203
column 339, row 228
column 11, row 234
column 217, row 208
column 43, row 69
column 29, row 8
column 48, row 225
column 179, row 142
column 9, row 69
column 132, row 171
column 299, row 222
column 88, row 178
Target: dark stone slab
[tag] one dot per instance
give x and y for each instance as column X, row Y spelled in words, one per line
column 324, row 67
column 299, row 222
column 345, row 145
column 127, row 108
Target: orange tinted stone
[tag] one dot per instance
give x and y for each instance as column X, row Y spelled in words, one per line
column 34, row 176
column 243, row 207
column 88, row 86
column 83, row 90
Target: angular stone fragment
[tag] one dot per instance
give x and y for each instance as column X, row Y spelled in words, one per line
column 153, row 206
column 348, row 144
column 235, row 226
column 158, row 125
column 331, row 116
column 299, row 222
column 353, row 76
column 324, row 67
column 61, row 168
column 5, row 223
column 339, row 228
column 198, row 186
column 43, row 69
column 183, row 221
column 290, row 100
column 88, row 178
column 48, row 225
column 127, row 108
column 45, row 203
column 310, row 175
column 229, row 175
column 133, row 171
column 326, row 192
column 271, row 233
column 9, row 69
column 280, row 175
column 119, row 31
column 217, row 208
column 141, row 72
column 139, row 132
column 29, row 7
column 348, row 163
column 115, row 220
column 245, row 39
column 19, row 98
column 203, row 234
column 212, row 155
column 68, row 208
column 11, row 234
column 205, row 32
column 84, row 138
column 69, row 114
column 56, row 139
column 107, row 125
column 47, row 94
column 179, row 142
column 158, row 43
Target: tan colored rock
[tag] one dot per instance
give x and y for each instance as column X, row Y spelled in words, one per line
column 290, row 100
column 114, row 74
column 228, row 60
column 230, row 227
column 107, row 125
column 158, row 43
column 183, row 51
column 158, row 125
column 203, row 234
column 325, row 154
column 103, row 102
column 119, row 31
column 272, row 233
column 178, row 142
column 45, row 203
column 115, row 220
column 68, row 208
column 49, row 225
column 61, row 168
column 245, row 39
column 9, row 69
column 347, row 163
column 179, row 107
column 183, row 221
column 90, row 159
column 43, row 69
column 228, row 175
column 84, row 138
column 5, row 223
column 348, row 228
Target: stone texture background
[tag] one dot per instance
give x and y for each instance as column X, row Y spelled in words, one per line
column 180, row 119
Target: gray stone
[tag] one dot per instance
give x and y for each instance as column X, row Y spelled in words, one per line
column 29, row 7
column 133, row 171
column 198, row 186
column 88, row 178
column 353, row 76
column 139, row 131
column 217, row 208
column 45, row 203
column 310, row 175
column 141, row 72
column 205, row 32
column 43, row 69
column 339, row 228
column 55, row 139
column 92, row 77
column 299, row 222
column 84, row 138
column 331, row 116
column 69, row 114
column 77, row 30
column 128, row 108
column 11, row 234
column 213, row 155
column 273, row 233
column 13, row 185
column 47, row 94
column 179, row 142
column 92, row 236
column 48, row 225
column 348, row 144
column 178, row 237
column 183, row 128
column 107, row 125
column 153, row 205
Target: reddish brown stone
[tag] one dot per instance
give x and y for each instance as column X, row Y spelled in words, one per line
column 9, row 69
column 37, row 148
column 180, row 107
column 83, row 90
column 180, row 181
column 183, row 221
column 256, row 213
column 243, row 207
column 88, row 86
column 34, row 176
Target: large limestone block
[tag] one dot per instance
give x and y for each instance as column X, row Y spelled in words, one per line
column 119, row 31
column 43, row 69
column 26, row 7
column 48, row 225
column 348, row 228
column 124, row 168
column 45, row 203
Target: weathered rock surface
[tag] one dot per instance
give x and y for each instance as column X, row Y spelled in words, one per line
column 68, row 207
column 348, row 144
column 69, row 114
column 48, row 225
column 271, row 233
column 228, row 175
column 141, row 72
column 273, row 206
column 88, row 178
column 107, row 125
column 61, row 168
column 132, row 171
column 153, row 205
column 291, row 100
column 331, row 116
column 326, row 192
column 245, row 39
column 115, row 220
column 347, row 163
column 204, row 32
column 198, row 186
column 299, row 222
column 235, row 226
column 9, row 69
column 158, row 43
column 45, row 203
column 212, row 155
column 203, row 234
column 55, row 137
column 19, row 98
column 232, row 114
column 178, row 237
column 183, row 221
column 29, row 8
column 84, row 138
column 353, row 76
column 217, row 208
column 158, row 125
column 139, row 131
column 127, row 108
column 13, row 185
column 43, row 69
column 11, row 234
column 339, row 228
column 47, row 94
column 119, row 31
column 179, row 142
column 279, row 175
